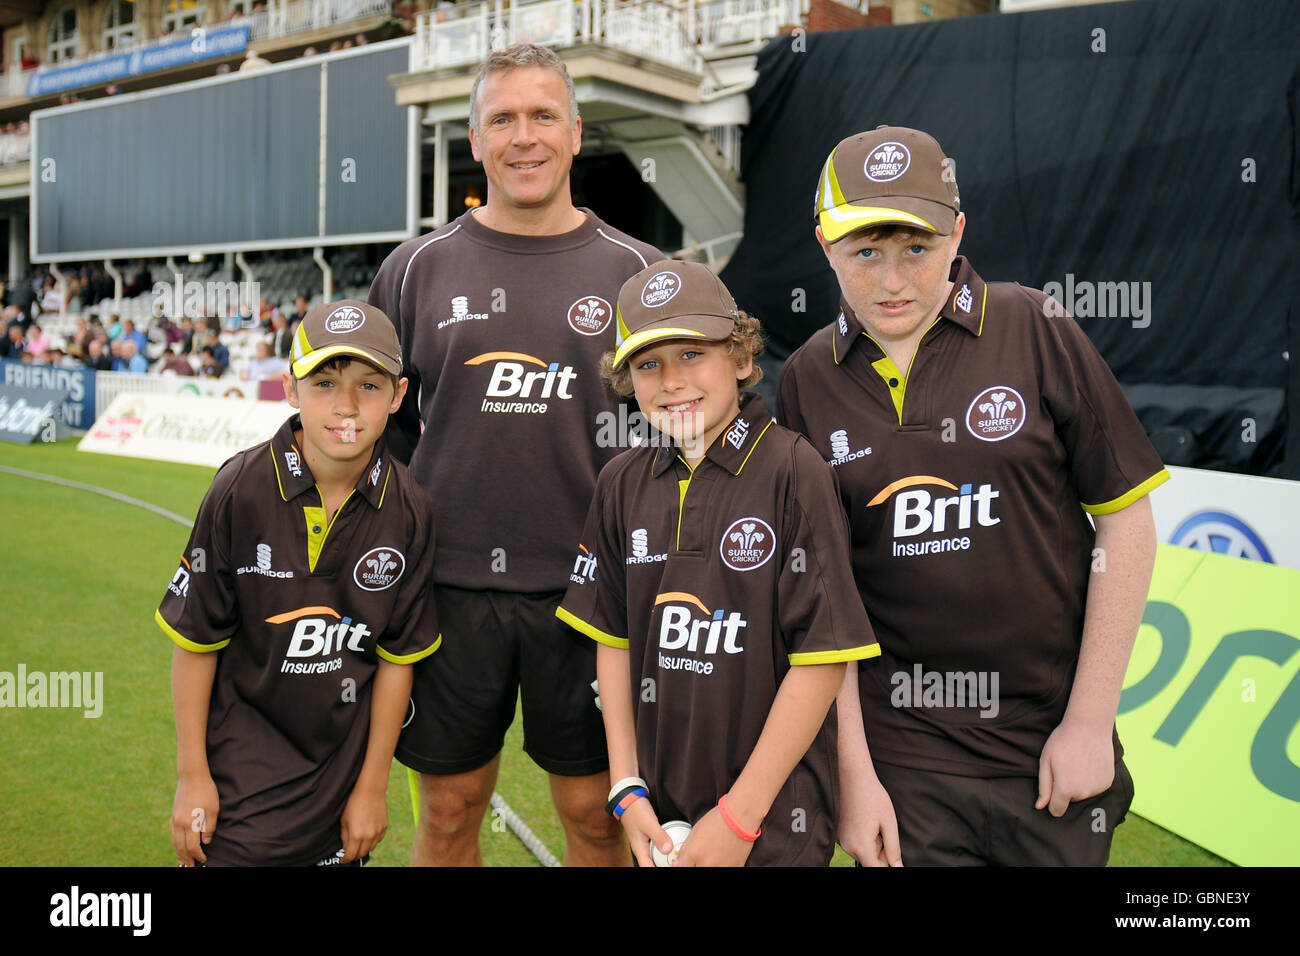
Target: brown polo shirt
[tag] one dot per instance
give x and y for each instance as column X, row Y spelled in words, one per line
column 504, row 417
column 300, row 611
column 717, row 581
column 967, row 480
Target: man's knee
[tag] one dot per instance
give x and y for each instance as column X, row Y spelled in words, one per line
column 580, row 804
column 454, row 803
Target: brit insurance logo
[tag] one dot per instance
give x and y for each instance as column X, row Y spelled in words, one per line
column 996, row 413
column 320, row 635
column 747, row 544
column 659, row 288
column 706, row 633
column 1221, row 533
column 887, row 163
column 924, row 516
column 292, row 462
column 529, row 381
column 584, row 568
column 590, row 315
column 180, row 582
column 346, row 318
column 379, row 569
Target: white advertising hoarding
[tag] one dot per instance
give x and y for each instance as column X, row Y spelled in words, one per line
column 192, row 430
column 1237, row 515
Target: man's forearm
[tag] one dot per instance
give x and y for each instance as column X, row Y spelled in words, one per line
column 1126, row 549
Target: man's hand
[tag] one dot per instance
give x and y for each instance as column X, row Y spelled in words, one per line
column 868, row 829
column 1077, row 762
column 642, row 827
column 711, row 843
column 365, row 821
column 194, row 818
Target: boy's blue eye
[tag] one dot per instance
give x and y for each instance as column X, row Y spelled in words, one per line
column 648, row 364
column 866, row 253
column 690, row 355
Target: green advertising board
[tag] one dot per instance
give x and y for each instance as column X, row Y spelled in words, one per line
column 1211, row 706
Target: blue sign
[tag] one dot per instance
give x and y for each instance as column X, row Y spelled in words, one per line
column 29, row 414
column 1221, row 533
column 78, row 410
column 201, row 45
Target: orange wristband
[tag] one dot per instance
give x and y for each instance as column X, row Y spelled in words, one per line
column 736, row 828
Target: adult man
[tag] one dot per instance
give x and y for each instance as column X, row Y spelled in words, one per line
column 508, row 454
column 967, row 423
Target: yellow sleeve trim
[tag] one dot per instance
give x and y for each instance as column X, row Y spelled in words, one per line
column 863, row 653
column 1123, row 501
column 408, row 658
column 185, row 642
column 595, row 633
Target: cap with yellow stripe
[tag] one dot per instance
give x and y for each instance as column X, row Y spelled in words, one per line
column 348, row 327
column 889, row 176
column 681, row 300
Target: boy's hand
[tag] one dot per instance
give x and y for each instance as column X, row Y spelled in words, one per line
column 1078, row 762
column 194, row 818
column 642, row 826
column 711, row 843
column 868, row 828
column 365, row 821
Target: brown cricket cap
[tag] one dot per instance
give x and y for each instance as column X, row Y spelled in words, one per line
column 681, row 300
column 347, row 327
column 889, row 176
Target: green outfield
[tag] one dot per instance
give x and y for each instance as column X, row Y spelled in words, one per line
column 82, row 574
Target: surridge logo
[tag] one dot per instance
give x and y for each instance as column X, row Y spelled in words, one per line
column 511, row 378
column 918, row 512
column 584, row 568
column 843, row 323
column 460, row 312
column 840, row 453
column 887, row 162
column 379, row 569
column 747, row 544
column 641, row 549
column 590, row 315
column 681, row 629
column 314, row 635
column 346, row 318
column 262, row 564
column 996, row 413
column 660, row 288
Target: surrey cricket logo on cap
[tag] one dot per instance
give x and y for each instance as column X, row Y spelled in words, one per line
column 659, row 288
column 887, row 163
column 344, row 319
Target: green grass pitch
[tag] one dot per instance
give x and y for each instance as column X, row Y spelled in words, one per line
column 83, row 574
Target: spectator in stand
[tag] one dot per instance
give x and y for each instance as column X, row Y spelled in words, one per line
column 175, row 361
column 135, row 362
column 114, row 327
column 4, row 293
column 37, row 341
column 187, row 335
column 131, row 334
column 171, row 332
column 13, row 346
column 52, row 299
column 233, row 321
column 281, row 340
column 219, row 351
column 246, row 318
column 265, row 365
column 199, row 338
column 74, row 294
column 141, row 281
column 361, row 39
column 208, row 367
column 24, row 297
column 309, row 51
column 299, row 311
column 96, row 358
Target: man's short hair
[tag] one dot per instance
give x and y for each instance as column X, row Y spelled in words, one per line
column 515, row 56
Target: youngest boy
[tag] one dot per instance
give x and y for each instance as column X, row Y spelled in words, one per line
column 724, row 604
column 300, row 598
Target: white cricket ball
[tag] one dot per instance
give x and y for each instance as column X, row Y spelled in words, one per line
column 678, row 831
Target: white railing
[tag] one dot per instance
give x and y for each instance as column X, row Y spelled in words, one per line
column 732, row 22
column 283, row 17
column 15, row 148
column 727, row 139
column 654, row 30
column 14, row 82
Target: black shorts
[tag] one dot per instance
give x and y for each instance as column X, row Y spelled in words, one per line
column 498, row 646
column 950, row 820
